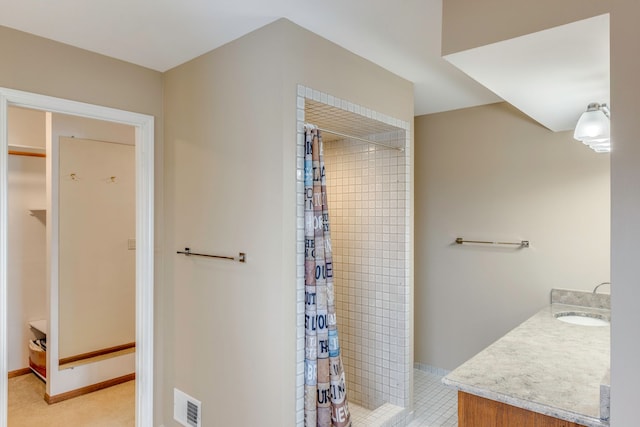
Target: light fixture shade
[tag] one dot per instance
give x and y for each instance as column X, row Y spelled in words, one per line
column 600, row 145
column 592, row 125
column 593, row 128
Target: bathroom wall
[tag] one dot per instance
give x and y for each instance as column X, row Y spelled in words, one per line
column 27, row 290
column 625, row 212
column 231, row 186
column 366, row 190
column 491, row 173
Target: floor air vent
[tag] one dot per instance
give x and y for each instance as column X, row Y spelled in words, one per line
column 186, row 409
column 193, row 414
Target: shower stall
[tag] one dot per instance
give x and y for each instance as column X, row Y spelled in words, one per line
column 367, row 163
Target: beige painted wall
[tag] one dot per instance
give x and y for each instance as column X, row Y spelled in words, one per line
column 64, row 125
column 26, row 127
column 34, row 64
column 27, row 290
column 470, row 23
column 625, row 212
column 490, row 173
column 27, row 287
column 230, row 328
column 97, row 271
column 43, row 66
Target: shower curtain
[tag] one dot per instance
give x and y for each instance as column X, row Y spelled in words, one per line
column 325, row 394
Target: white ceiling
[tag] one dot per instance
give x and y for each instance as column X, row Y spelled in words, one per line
column 551, row 75
column 403, row 36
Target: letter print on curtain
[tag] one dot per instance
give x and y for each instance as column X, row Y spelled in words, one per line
column 325, row 394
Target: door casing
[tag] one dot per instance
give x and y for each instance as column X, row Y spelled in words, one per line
column 144, row 152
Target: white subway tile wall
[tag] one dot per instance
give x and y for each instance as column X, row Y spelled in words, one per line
column 367, row 209
column 369, row 197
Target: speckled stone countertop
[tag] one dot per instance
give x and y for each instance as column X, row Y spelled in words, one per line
column 544, row 365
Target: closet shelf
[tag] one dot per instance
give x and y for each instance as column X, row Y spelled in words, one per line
column 39, row 325
column 40, row 214
column 27, row 149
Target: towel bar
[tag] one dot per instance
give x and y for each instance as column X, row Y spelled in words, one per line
column 522, row 244
column 241, row 256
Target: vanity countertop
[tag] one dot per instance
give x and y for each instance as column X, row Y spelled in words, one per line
column 544, row 365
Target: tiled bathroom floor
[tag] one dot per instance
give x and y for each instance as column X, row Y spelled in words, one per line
column 435, row 404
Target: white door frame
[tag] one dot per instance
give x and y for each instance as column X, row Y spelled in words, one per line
column 144, row 126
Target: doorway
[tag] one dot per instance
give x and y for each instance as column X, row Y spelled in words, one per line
column 144, row 179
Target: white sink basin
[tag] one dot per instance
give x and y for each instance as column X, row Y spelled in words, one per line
column 582, row 318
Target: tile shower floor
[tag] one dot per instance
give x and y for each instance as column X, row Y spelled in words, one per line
column 435, row 405
column 362, row 417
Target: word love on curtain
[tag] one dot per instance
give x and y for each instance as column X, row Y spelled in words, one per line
column 325, row 393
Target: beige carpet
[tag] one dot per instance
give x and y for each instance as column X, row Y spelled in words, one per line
column 110, row 407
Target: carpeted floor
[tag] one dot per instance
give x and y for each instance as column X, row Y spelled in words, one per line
column 110, row 407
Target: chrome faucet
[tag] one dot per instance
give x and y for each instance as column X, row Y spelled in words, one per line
column 603, row 283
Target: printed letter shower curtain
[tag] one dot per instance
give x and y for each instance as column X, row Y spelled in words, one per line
column 325, row 393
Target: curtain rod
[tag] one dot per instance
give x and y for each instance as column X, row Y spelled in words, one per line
column 356, row 137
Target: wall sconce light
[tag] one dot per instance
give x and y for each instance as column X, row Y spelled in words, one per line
column 593, row 128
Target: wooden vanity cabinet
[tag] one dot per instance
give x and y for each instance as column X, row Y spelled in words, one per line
column 475, row 411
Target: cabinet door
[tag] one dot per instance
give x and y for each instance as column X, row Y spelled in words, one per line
column 474, row 411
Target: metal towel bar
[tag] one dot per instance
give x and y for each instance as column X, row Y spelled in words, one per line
column 522, row 244
column 241, row 256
